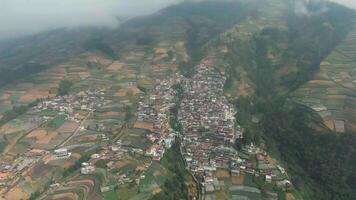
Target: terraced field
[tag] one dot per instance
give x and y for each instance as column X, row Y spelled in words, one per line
column 332, row 92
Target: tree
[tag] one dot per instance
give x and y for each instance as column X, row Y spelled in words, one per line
column 64, row 87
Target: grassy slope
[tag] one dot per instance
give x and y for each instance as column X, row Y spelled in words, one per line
column 333, row 86
column 278, row 57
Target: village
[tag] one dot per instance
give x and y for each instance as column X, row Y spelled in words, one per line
column 209, row 131
column 154, row 113
column 74, row 109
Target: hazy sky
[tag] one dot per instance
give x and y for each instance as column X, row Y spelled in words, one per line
column 350, row 3
column 19, row 17
column 22, row 17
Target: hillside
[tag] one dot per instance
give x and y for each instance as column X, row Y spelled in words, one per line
column 331, row 92
column 290, row 74
column 274, row 57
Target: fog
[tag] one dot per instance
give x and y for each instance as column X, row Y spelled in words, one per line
column 24, row 17
column 349, row 3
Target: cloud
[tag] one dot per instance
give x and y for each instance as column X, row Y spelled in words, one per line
column 22, row 17
column 349, row 3
column 310, row 7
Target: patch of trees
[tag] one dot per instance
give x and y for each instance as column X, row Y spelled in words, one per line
column 187, row 69
column 8, row 76
column 174, row 122
column 15, row 112
column 142, row 88
column 76, row 166
column 321, row 163
column 320, row 158
column 174, row 187
column 64, row 87
column 129, row 113
column 145, row 41
column 99, row 44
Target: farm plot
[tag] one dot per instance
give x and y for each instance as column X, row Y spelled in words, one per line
column 136, row 138
column 68, row 127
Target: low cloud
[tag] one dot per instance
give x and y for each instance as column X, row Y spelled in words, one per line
column 310, row 7
column 23, row 17
column 349, row 3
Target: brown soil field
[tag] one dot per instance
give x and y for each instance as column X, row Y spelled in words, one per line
column 114, row 114
column 156, row 191
column 16, row 194
column 222, row 173
column 67, row 196
column 245, row 89
column 146, row 81
column 320, row 83
column 8, row 129
column 161, row 51
column 88, row 138
column 330, row 124
column 120, row 94
column 42, row 136
column 68, row 127
column 324, row 63
column 98, row 59
column 115, row 67
column 192, row 188
column 289, row 196
column 222, row 195
column 122, row 163
column 128, row 90
column 140, row 168
column 84, row 75
column 40, row 170
column 76, row 155
column 144, row 125
column 157, row 173
column 239, row 180
column 33, row 95
column 67, row 164
column 5, row 96
column 271, row 160
column 322, row 75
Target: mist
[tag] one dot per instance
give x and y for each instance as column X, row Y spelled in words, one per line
column 25, row 17
column 348, row 3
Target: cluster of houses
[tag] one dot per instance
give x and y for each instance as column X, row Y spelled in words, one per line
column 88, row 100
column 155, row 113
column 12, row 173
column 208, row 121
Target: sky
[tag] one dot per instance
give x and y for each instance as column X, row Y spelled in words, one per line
column 23, row 17
column 350, row 3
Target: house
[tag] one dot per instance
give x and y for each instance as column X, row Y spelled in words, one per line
column 4, row 175
column 37, row 152
column 61, row 152
column 268, row 178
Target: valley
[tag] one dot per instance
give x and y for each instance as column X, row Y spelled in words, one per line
column 203, row 100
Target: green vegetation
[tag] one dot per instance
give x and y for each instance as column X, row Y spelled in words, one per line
column 3, row 145
column 8, row 76
column 174, row 122
column 129, row 113
column 15, row 112
column 56, row 122
column 67, row 172
column 98, row 44
column 64, row 87
column 320, row 162
column 174, row 187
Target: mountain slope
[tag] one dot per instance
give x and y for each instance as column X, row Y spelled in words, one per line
column 331, row 92
column 271, row 53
